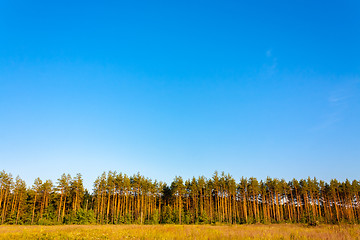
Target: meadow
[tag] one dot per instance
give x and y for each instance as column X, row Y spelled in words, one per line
column 256, row 231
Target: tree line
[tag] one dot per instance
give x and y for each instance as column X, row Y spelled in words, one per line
column 118, row 199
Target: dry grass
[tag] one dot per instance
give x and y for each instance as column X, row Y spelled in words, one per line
column 276, row 231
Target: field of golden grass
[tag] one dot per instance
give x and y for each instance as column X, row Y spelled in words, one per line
column 275, row 231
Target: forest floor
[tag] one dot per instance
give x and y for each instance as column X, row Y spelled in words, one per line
column 272, row 231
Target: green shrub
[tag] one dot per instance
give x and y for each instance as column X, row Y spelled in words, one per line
column 83, row 216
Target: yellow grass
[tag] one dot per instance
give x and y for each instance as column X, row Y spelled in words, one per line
column 275, row 231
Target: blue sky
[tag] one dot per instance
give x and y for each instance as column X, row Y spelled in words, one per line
column 265, row 88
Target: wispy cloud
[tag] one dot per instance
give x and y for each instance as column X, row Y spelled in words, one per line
column 271, row 65
column 340, row 97
column 269, row 53
column 329, row 121
column 338, row 101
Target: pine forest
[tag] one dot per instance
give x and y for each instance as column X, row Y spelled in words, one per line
column 117, row 198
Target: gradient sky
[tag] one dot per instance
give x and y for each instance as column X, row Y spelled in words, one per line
column 264, row 88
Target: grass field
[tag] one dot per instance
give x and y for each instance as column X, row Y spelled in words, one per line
column 275, row 231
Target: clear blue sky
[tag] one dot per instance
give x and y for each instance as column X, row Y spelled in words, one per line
column 264, row 88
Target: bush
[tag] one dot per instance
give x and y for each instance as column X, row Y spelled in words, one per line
column 313, row 223
column 187, row 218
column 84, row 217
column 155, row 218
column 126, row 219
column 203, row 218
column 168, row 215
column 46, row 222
